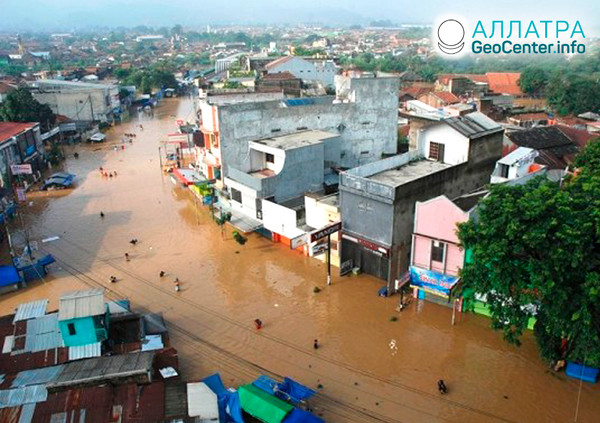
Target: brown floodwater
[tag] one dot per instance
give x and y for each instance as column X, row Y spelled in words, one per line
column 368, row 368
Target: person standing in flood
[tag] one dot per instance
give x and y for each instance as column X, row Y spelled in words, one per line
column 316, row 344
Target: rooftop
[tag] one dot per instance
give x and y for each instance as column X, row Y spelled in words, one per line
column 516, row 155
column 81, row 304
column 31, row 310
column 12, row 129
column 474, row 125
column 468, row 201
column 408, row 172
column 296, row 140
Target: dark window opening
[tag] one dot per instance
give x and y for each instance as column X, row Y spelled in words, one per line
column 270, row 158
column 236, row 195
column 436, row 151
column 276, row 130
column 437, row 251
column 71, row 329
column 504, row 170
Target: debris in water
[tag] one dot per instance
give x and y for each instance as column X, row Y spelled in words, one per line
column 393, row 318
column 50, row 239
column 316, row 289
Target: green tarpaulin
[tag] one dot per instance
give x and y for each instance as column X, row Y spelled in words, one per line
column 263, row 406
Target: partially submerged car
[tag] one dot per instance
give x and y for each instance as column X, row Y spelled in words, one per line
column 59, row 180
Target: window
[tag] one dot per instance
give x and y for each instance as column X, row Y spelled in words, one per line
column 236, row 195
column 270, row 158
column 436, row 151
column 437, row 251
column 71, row 329
column 503, row 170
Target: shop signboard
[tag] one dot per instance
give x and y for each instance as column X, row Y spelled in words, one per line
column 299, row 241
column 327, row 230
column 432, row 281
column 21, row 169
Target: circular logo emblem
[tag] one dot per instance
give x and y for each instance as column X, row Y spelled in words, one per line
column 451, row 34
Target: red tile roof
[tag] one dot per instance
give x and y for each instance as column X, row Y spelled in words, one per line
column 11, row 129
column 6, row 88
column 504, row 82
column 446, row 96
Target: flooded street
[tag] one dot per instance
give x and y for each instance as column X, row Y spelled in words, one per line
column 370, row 369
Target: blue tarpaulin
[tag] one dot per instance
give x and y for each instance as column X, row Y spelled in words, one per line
column 301, row 416
column 230, row 409
column 9, row 275
column 289, row 389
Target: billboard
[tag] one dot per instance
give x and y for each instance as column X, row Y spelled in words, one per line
column 21, row 169
column 432, row 281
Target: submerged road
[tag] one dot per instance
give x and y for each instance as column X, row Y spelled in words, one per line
column 368, row 368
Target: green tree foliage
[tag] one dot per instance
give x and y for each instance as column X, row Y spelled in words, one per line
column 533, row 80
column 147, row 79
column 539, row 245
column 20, row 106
column 570, row 93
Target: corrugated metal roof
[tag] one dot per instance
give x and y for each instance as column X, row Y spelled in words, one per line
column 202, row 401
column 43, row 333
column 81, row 304
column 27, row 412
column 31, row 310
column 98, row 369
column 20, row 396
column 36, row 376
column 85, row 351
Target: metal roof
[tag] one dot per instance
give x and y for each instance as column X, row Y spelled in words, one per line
column 516, row 155
column 473, row 125
column 152, row 342
column 36, row 376
column 31, row 310
column 85, row 351
column 81, row 304
column 20, row 396
column 94, row 370
column 27, row 411
column 43, row 333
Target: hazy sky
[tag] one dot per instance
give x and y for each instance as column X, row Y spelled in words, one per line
column 78, row 14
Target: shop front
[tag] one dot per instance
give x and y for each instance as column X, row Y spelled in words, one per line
column 435, row 287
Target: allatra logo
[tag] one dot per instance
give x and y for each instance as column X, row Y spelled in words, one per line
column 451, row 34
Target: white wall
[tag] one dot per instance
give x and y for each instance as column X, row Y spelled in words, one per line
column 456, row 145
column 280, row 219
column 248, row 205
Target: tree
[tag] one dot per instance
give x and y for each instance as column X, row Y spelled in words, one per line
column 533, row 80
column 20, row 106
column 536, row 248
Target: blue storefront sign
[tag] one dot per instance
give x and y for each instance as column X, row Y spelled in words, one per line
column 432, row 281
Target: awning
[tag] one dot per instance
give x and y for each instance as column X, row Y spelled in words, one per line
column 187, row 176
column 433, row 282
column 9, row 275
column 202, row 402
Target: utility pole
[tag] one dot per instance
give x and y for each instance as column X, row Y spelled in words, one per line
column 328, row 259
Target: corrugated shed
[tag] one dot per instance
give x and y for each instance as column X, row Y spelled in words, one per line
column 27, row 413
column 85, row 351
column 43, row 333
column 31, row 310
column 20, row 396
column 36, row 376
column 81, row 304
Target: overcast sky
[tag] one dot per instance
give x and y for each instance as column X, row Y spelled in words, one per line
column 78, row 14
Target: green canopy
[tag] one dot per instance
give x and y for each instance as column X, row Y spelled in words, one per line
column 263, row 406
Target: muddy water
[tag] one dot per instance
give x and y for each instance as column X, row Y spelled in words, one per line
column 369, row 368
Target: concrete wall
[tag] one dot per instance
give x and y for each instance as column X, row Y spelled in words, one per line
column 456, row 145
column 93, row 104
column 367, row 126
column 249, row 195
column 85, row 331
column 437, row 219
column 280, row 219
column 372, row 214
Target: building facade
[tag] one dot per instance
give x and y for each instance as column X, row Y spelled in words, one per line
column 454, row 156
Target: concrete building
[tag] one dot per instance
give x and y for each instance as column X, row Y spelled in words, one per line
column 454, row 156
column 270, row 191
column 520, row 163
column 20, row 143
column 309, row 70
column 322, row 210
column 83, row 318
column 79, row 101
column 363, row 114
column 221, row 65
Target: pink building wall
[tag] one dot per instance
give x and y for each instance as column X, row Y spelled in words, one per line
column 436, row 219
